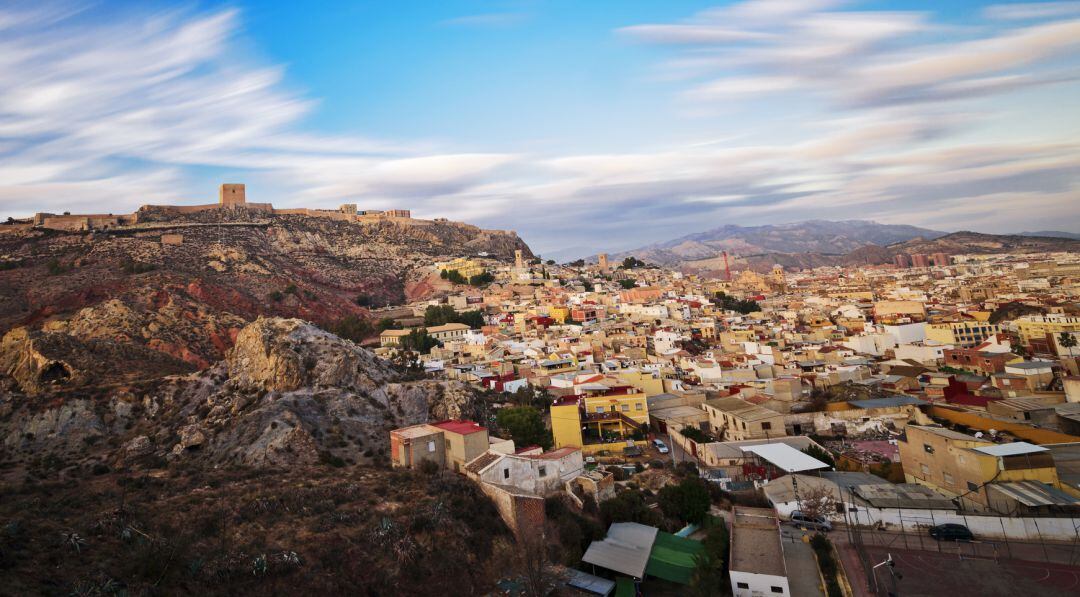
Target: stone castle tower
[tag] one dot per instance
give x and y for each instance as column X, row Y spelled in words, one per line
column 231, row 194
column 778, row 275
column 601, row 260
column 519, row 260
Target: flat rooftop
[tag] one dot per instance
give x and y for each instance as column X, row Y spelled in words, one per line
column 755, row 542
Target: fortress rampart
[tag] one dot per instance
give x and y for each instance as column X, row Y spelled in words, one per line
column 229, row 196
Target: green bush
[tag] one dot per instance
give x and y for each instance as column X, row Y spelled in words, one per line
column 827, row 563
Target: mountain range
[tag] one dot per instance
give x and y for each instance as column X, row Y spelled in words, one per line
column 817, row 243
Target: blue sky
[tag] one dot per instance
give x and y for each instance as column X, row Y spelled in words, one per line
column 584, row 126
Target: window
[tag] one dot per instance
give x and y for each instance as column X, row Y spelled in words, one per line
column 743, row 585
column 431, row 446
column 928, row 448
column 925, row 469
column 766, row 425
column 543, row 471
column 777, row 589
column 972, row 487
column 626, row 408
column 639, row 406
column 948, row 478
column 506, row 473
column 599, row 409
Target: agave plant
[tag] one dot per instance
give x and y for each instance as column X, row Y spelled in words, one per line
column 75, row 541
column 259, row 566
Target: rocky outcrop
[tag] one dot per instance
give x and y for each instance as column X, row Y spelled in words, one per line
column 288, row 393
column 288, row 354
column 34, row 362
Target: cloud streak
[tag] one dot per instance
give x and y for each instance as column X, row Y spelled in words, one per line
column 888, row 115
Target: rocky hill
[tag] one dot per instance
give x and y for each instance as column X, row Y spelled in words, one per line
column 288, row 393
column 188, row 300
column 160, row 435
column 977, row 242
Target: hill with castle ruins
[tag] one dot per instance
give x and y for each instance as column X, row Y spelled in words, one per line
column 182, row 280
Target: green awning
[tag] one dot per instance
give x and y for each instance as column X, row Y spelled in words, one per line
column 624, row 587
column 672, row 558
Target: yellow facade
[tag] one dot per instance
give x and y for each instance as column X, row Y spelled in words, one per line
column 1038, row 327
column 602, row 430
column 466, row 267
column 961, row 333
column 643, row 381
column 559, row 314
column 634, row 406
column 946, row 461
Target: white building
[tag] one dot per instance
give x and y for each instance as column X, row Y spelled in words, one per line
column 757, row 565
column 531, row 471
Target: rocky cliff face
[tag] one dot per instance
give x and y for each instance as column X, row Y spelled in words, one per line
column 188, row 300
column 287, row 393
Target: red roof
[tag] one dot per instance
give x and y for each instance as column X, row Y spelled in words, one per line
column 461, row 427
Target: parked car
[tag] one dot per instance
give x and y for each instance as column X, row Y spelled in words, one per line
column 811, row 523
column 660, row 446
column 951, row 532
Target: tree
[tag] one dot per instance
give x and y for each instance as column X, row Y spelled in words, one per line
column 577, row 263
column 817, row 501
column 710, row 565
column 730, row 303
column 631, row 262
column 481, row 279
column 627, row 284
column 628, row 506
column 388, row 323
column 419, row 341
column 524, row 425
column 1067, row 340
column 687, row 500
column 820, row 454
column 353, row 328
column 443, row 314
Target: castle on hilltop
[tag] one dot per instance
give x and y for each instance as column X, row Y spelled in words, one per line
column 230, row 196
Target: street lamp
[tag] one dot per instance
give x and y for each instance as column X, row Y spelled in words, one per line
column 891, row 563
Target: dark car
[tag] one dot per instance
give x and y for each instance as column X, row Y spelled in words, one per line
column 951, row 532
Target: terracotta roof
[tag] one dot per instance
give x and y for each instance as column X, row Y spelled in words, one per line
column 482, row 461
column 460, row 427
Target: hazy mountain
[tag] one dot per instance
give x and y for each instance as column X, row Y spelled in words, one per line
column 814, row 236
column 1053, row 234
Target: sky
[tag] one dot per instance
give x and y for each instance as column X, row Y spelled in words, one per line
column 584, row 126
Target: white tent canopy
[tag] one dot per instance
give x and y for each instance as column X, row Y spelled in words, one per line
column 786, row 458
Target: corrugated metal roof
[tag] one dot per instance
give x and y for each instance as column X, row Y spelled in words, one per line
column 787, row 458
column 626, row 548
column 1034, row 493
column 588, row 582
column 889, row 401
column 1011, row 449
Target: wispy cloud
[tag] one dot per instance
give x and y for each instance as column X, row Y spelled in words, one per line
column 129, row 106
column 887, row 118
column 487, row 20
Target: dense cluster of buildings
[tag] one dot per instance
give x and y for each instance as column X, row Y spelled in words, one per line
column 942, row 386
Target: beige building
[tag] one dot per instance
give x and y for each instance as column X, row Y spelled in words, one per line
column 969, row 468
column 734, row 419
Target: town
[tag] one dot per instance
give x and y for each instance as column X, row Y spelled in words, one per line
column 931, row 399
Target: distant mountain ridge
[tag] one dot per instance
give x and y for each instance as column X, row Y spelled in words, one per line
column 819, row 243
column 813, row 236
